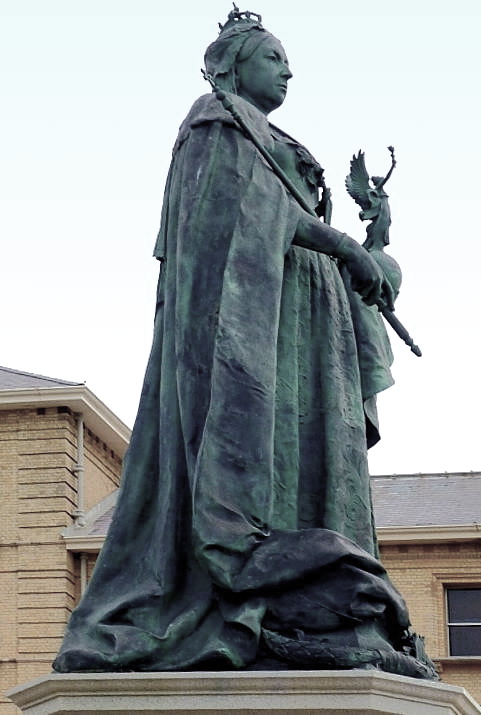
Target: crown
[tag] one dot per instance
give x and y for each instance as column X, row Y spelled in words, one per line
column 236, row 16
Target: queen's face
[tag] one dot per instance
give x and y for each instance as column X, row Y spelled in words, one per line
column 262, row 77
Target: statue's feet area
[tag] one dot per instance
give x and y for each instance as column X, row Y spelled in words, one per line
column 363, row 648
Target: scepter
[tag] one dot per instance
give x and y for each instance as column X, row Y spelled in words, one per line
column 227, row 103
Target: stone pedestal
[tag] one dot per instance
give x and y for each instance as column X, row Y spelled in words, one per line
column 245, row 693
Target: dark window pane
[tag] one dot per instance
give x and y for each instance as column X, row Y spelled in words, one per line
column 465, row 640
column 464, row 605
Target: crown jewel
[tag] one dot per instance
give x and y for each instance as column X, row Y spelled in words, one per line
column 236, row 16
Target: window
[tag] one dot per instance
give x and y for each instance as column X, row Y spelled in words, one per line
column 464, row 620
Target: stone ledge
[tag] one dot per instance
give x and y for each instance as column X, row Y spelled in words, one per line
column 246, row 693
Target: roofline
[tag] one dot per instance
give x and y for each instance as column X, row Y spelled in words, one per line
column 430, row 534
column 385, row 534
column 52, row 381
column 416, row 475
column 84, row 544
column 97, row 416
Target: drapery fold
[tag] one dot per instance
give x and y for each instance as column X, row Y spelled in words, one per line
column 246, row 479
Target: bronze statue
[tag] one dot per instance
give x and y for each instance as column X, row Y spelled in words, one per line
column 243, row 535
column 373, row 201
column 375, row 208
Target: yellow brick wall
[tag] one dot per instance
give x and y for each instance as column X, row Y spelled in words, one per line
column 39, row 578
column 102, row 469
column 421, row 572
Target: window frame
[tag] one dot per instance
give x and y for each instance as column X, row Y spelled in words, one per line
column 450, row 624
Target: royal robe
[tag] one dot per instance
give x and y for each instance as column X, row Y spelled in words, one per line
column 244, row 505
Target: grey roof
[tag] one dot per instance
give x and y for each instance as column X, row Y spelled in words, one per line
column 97, row 519
column 399, row 500
column 101, row 525
column 20, row 380
column 447, row 499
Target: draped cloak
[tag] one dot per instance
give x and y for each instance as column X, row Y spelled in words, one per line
column 245, row 499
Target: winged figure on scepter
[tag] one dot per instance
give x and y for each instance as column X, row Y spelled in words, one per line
column 369, row 194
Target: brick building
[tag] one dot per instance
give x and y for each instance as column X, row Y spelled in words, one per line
column 429, row 529
column 61, row 451
column 60, row 458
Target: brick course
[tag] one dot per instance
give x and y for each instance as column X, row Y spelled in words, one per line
column 39, row 577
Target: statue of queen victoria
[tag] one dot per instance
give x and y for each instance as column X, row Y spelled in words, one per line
column 243, row 537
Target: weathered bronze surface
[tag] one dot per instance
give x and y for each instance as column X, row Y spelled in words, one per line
column 375, row 208
column 244, row 535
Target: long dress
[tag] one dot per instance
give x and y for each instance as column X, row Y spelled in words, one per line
column 244, row 511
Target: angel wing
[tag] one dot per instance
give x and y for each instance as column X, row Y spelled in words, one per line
column 357, row 183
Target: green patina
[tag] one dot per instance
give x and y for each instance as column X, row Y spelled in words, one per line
column 243, row 535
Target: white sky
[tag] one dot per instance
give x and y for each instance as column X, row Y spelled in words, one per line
column 93, row 93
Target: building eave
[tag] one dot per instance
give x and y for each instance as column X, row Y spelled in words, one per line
column 84, row 544
column 97, row 416
column 386, row 535
column 430, row 534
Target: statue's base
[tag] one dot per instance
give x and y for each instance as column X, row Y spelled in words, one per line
column 246, row 693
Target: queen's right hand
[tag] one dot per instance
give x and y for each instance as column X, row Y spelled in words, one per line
column 367, row 278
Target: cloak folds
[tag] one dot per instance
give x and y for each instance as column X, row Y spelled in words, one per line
column 245, row 506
